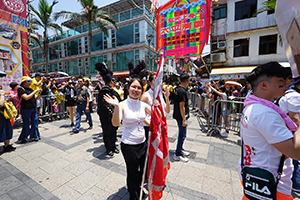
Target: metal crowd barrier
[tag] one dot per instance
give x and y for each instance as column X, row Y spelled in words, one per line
column 210, row 116
column 47, row 110
column 232, row 114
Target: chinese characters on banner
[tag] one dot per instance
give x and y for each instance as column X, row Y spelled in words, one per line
column 14, row 59
column 183, row 27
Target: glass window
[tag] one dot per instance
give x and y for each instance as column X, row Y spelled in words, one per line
column 136, row 12
column 245, row 9
column 85, row 28
column 241, row 47
column 125, row 35
column 73, row 67
column 73, row 47
column 52, row 52
column 220, row 11
column 78, row 30
column 124, row 16
column 123, row 58
column 116, row 17
column 94, row 26
column 97, row 42
column 268, row 44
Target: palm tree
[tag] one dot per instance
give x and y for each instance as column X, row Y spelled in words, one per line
column 267, row 6
column 90, row 13
column 43, row 19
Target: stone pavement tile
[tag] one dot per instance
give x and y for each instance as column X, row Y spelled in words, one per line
column 66, row 193
column 84, row 182
column 216, row 188
column 56, row 180
column 16, row 161
column 191, row 173
column 94, row 193
column 33, row 154
column 79, row 167
column 57, row 165
column 4, row 173
column 9, row 184
column 112, row 183
column 23, row 192
column 66, row 139
column 172, row 175
column 99, row 170
column 236, row 184
column 217, row 173
column 37, row 174
column 75, row 156
column 54, row 155
column 200, row 149
column 194, row 163
column 192, row 185
column 41, row 191
column 5, row 197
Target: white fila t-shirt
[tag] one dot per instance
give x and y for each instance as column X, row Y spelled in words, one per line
column 261, row 127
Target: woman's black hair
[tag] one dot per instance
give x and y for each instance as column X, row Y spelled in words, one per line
column 222, row 88
column 151, row 77
column 135, row 79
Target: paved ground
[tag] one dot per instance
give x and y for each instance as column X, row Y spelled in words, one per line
column 64, row 166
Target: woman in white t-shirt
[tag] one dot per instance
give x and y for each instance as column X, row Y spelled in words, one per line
column 133, row 146
column 147, row 97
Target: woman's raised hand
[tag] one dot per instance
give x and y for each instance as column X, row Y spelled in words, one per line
column 166, row 93
column 112, row 101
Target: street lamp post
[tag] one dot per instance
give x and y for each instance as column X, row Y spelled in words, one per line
column 57, row 55
column 149, row 38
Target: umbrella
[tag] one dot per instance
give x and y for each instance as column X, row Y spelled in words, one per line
column 233, row 83
column 2, row 74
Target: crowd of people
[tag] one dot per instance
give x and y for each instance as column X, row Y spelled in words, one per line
column 266, row 129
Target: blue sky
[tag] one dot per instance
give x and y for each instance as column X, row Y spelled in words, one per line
column 74, row 6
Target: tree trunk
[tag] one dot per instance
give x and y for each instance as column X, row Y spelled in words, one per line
column 90, row 48
column 46, row 52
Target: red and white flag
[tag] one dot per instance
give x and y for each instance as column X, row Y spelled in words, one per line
column 159, row 162
column 154, row 5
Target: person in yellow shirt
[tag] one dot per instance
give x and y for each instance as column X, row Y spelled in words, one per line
column 119, row 90
column 37, row 83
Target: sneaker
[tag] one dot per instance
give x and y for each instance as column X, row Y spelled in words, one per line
column 110, row 153
column 296, row 189
column 225, row 134
column 185, row 153
column 180, row 158
column 218, row 129
column 9, row 148
column 90, row 128
column 72, row 124
column 74, row 132
column 116, row 151
column 21, row 142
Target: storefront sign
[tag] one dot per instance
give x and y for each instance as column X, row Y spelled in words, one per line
column 183, row 27
column 13, row 41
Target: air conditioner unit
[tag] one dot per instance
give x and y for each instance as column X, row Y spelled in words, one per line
column 221, row 44
column 218, row 57
column 43, row 69
column 60, row 68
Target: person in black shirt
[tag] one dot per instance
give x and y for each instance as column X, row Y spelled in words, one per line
column 28, row 110
column 181, row 114
column 105, row 110
column 70, row 92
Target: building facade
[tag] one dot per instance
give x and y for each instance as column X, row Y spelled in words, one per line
column 241, row 40
column 69, row 52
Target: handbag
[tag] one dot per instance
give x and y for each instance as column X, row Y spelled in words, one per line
column 10, row 111
column 260, row 183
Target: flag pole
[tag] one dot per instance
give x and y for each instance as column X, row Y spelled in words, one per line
column 147, row 155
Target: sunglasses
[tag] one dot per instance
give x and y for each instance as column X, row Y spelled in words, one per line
column 79, row 81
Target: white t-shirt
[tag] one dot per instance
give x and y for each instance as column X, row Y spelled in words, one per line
column 90, row 89
column 133, row 118
column 290, row 102
column 261, row 127
column 224, row 97
column 149, row 94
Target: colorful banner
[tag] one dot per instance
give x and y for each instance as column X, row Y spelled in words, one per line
column 183, row 27
column 13, row 41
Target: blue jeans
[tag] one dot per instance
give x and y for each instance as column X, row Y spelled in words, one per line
column 181, row 137
column 79, row 109
column 29, row 116
column 296, row 175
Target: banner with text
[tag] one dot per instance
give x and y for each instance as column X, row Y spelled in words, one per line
column 183, row 27
column 13, row 41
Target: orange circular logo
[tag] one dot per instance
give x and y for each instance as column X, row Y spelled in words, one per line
column 14, row 5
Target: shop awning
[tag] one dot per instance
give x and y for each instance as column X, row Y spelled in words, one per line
column 232, row 70
column 226, row 73
column 123, row 73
